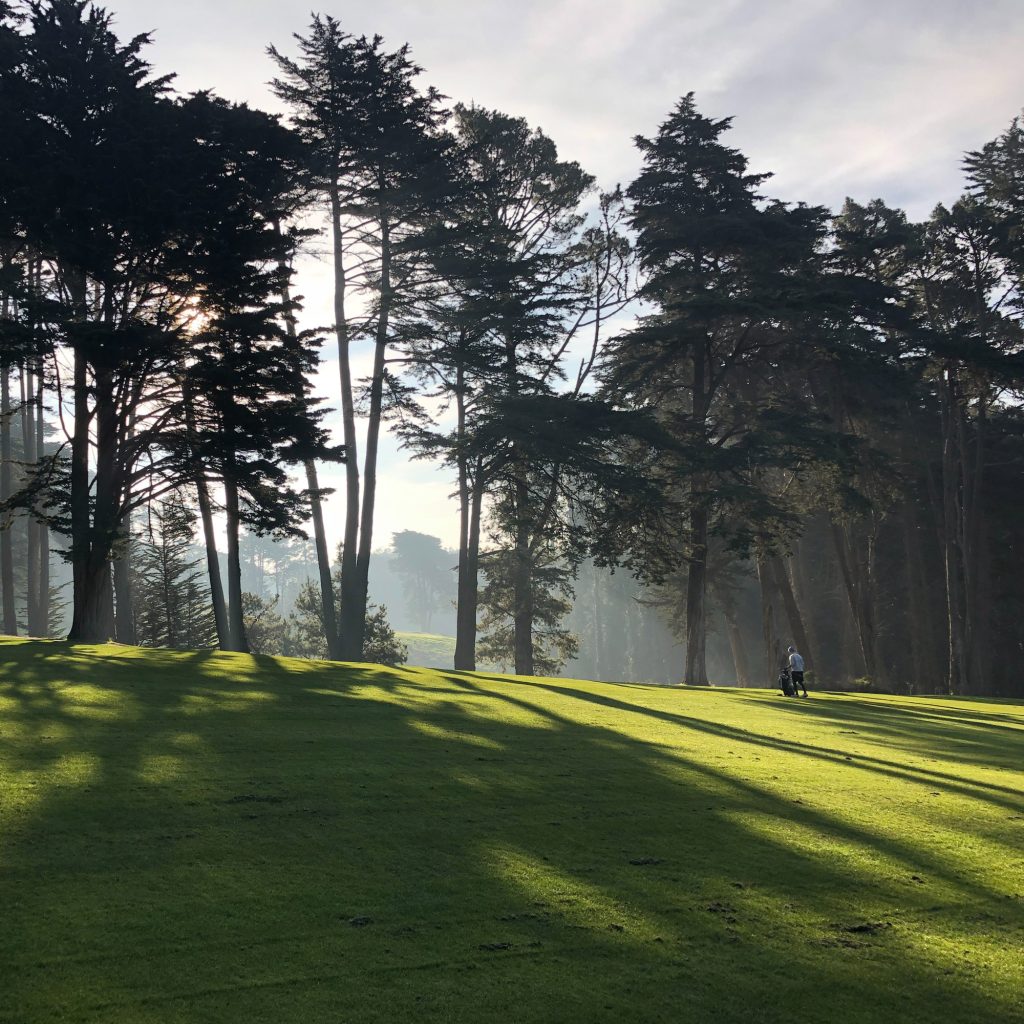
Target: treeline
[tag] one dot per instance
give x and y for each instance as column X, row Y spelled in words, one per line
column 785, row 424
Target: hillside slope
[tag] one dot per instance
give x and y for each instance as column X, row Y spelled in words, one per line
column 206, row 837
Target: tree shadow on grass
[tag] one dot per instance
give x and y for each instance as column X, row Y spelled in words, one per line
column 989, row 741
column 343, row 843
column 1008, row 751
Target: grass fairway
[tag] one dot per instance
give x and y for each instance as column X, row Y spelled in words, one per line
column 207, row 837
column 429, row 649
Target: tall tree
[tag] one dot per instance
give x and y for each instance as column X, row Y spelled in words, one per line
column 522, row 281
column 732, row 280
column 250, row 403
column 98, row 119
column 378, row 159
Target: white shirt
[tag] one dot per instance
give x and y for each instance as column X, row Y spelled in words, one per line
column 796, row 662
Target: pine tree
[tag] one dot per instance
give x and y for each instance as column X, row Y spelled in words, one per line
column 735, row 285
column 173, row 604
column 308, row 638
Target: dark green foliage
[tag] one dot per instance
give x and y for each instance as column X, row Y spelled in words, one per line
column 381, row 646
column 723, row 362
column 552, row 593
column 306, row 638
column 170, row 596
column 265, row 629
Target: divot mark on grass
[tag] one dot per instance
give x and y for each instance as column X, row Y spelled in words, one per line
column 867, row 927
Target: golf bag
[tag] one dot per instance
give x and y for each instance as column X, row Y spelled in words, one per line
column 786, row 683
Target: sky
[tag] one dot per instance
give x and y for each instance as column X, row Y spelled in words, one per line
column 861, row 98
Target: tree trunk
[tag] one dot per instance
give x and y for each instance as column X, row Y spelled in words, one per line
column 774, row 659
column 361, row 590
column 97, row 622
column 43, row 572
column 796, row 622
column 859, row 597
column 10, row 617
column 236, row 619
column 956, row 678
column 124, row 604
column 328, row 610
column 79, row 495
column 522, row 585
column 220, row 610
column 696, row 673
column 600, row 627
column 352, row 615
column 471, row 509
column 739, row 650
column 95, row 613
column 977, row 612
column 29, row 457
column 696, row 605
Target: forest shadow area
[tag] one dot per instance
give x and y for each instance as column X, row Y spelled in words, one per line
column 202, row 837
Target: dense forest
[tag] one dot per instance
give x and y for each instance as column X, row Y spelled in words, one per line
column 687, row 424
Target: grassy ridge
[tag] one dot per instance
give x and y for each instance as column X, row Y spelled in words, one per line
column 208, row 837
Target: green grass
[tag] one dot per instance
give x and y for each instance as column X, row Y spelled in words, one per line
column 429, row 649
column 206, row 837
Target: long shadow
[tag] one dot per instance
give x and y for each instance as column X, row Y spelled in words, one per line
column 968, row 787
column 910, row 855
column 341, row 844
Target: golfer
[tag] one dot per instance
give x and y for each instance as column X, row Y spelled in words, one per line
column 796, row 669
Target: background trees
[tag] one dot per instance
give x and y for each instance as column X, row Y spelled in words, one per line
column 799, row 427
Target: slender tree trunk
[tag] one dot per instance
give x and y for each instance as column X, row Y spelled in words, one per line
column 10, row 618
column 696, row 604
column 43, row 571
column 28, row 450
column 923, row 639
column 739, row 649
column 957, row 671
column 522, row 584
column 97, row 620
column 796, row 622
column 796, row 567
column 975, row 561
column 859, row 600
column 124, row 604
column 79, row 496
column 220, row 610
column 328, row 611
column 696, row 673
column 373, row 427
column 470, row 512
column 770, row 601
column 600, row 627
column 352, row 615
column 236, row 620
